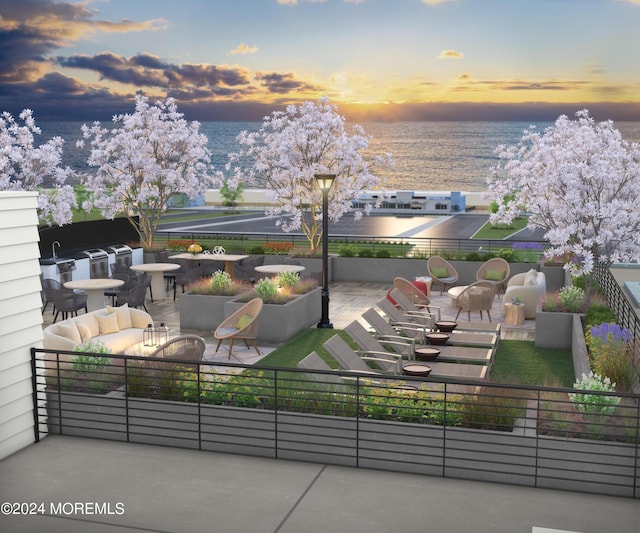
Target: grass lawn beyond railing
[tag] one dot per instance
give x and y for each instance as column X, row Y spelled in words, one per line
column 516, row 362
column 489, row 231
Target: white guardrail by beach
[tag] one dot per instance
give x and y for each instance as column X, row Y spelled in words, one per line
column 257, row 197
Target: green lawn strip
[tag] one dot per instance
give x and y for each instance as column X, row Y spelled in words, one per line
column 294, row 350
column 490, row 232
column 522, row 363
column 515, row 361
column 82, row 216
column 185, row 215
column 247, row 245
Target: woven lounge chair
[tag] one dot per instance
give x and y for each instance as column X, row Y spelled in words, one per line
column 442, row 272
column 184, row 348
column 242, row 324
column 478, row 296
column 495, row 271
column 413, row 294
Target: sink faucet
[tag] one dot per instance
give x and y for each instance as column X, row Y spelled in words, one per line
column 53, row 248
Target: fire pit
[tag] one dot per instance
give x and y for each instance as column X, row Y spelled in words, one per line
column 446, row 326
column 437, row 338
column 416, row 369
column 426, row 353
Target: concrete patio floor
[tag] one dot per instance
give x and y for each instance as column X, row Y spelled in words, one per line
column 101, row 486
column 348, row 301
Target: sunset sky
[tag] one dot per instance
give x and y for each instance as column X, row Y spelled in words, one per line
column 376, row 59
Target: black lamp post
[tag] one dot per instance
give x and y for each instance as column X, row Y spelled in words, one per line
column 325, row 182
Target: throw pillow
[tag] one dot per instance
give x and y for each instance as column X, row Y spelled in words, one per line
column 495, row 275
column 69, row 331
column 85, row 332
column 530, row 280
column 440, row 272
column 123, row 315
column 108, row 323
column 243, row 321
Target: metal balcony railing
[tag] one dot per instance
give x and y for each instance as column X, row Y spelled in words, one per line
column 533, row 436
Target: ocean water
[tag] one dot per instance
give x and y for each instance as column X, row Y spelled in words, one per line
column 449, row 156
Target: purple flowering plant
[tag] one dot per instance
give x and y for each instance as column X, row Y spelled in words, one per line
column 609, row 353
column 610, row 333
column 527, row 252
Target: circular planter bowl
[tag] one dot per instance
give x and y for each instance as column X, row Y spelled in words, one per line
column 416, row 369
column 446, row 326
column 426, row 353
column 438, row 338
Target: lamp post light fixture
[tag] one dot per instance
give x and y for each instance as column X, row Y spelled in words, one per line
column 325, row 182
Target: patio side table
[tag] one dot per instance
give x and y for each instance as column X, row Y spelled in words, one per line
column 513, row 314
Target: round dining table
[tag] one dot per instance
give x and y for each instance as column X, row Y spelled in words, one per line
column 95, row 289
column 227, row 259
column 278, row 269
column 156, row 271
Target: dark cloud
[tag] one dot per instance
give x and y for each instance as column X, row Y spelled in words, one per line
column 468, row 85
column 146, row 70
column 283, row 83
column 57, row 83
column 31, row 29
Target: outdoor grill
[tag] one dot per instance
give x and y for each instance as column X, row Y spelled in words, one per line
column 98, row 263
column 123, row 254
column 65, row 269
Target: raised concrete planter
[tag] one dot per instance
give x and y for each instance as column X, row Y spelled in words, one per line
column 376, row 270
column 563, row 331
column 278, row 323
column 467, row 269
column 555, row 277
column 201, row 312
column 579, row 351
column 554, row 329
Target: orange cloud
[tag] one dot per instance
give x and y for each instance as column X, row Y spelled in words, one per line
column 244, row 49
column 450, row 54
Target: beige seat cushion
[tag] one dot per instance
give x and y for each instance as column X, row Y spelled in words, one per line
column 85, row 332
column 69, row 331
column 108, row 323
column 123, row 315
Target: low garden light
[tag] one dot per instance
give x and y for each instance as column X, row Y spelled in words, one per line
column 325, row 182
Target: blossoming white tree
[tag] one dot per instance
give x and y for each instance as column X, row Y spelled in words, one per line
column 580, row 180
column 144, row 160
column 290, row 148
column 24, row 167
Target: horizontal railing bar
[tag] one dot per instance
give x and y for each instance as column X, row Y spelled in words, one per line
column 270, row 414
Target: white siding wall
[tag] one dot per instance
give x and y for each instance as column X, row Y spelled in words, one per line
column 20, row 316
